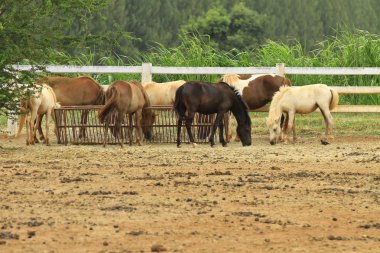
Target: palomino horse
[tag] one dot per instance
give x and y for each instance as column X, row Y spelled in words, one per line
column 41, row 102
column 302, row 100
column 71, row 92
column 207, row 98
column 127, row 98
column 256, row 90
column 162, row 93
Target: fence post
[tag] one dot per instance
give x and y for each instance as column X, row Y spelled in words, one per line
column 146, row 75
column 280, row 69
column 12, row 124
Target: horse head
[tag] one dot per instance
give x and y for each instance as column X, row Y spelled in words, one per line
column 244, row 133
column 148, row 118
column 274, row 128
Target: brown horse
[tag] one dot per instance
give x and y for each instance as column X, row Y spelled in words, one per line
column 127, row 98
column 71, row 92
column 208, row 98
column 257, row 90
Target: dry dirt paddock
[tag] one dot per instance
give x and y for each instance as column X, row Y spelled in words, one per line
column 305, row 197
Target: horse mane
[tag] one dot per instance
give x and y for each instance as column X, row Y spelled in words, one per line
column 273, row 113
column 240, row 100
column 230, row 78
column 142, row 88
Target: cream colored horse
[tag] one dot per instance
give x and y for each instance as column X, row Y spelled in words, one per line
column 41, row 103
column 162, row 93
column 302, row 100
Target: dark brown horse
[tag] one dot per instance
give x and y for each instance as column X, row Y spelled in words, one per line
column 207, row 98
column 127, row 98
column 257, row 90
column 71, row 92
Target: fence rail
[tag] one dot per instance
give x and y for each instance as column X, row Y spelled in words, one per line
column 147, row 71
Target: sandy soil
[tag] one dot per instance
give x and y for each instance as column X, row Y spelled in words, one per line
column 305, row 197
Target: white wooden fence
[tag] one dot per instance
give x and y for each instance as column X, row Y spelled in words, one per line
column 147, row 71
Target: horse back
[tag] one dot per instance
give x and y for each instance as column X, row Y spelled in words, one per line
column 75, row 91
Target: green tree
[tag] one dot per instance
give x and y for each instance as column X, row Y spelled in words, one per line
column 32, row 32
column 240, row 27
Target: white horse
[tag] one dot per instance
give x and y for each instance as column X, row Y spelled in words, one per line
column 162, row 93
column 41, row 102
column 302, row 100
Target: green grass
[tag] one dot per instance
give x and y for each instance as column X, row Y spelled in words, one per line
column 312, row 125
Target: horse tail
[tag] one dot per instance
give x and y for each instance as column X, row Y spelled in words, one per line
column 178, row 99
column 24, row 106
column 112, row 94
column 334, row 99
column 100, row 100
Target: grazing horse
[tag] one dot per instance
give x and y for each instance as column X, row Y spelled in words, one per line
column 71, row 92
column 127, row 98
column 302, row 100
column 42, row 102
column 207, row 98
column 256, row 90
column 162, row 93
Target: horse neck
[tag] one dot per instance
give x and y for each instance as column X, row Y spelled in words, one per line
column 239, row 112
column 275, row 110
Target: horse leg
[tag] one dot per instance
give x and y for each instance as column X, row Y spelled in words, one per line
column 40, row 132
column 291, row 122
column 189, row 120
column 27, row 123
column 328, row 122
column 47, row 127
column 218, row 121
column 139, row 134
column 118, row 129
column 294, row 130
column 33, row 117
column 83, row 121
column 106, row 131
column 284, row 125
column 221, row 135
column 130, row 128
column 179, row 126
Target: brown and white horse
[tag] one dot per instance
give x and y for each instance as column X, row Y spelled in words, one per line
column 42, row 102
column 127, row 98
column 256, row 90
column 302, row 100
column 162, row 93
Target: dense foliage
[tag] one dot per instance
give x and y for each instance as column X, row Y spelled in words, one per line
column 34, row 32
column 306, row 21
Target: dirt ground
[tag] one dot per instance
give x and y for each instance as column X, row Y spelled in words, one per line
column 305, row 197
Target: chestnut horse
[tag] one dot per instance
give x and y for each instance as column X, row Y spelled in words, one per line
column 127, row 98
column 71, row 92
column 162, row 93
column 303, row 99
column 207, row 98
column 256, row 90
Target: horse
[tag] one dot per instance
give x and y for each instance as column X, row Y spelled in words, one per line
column 208, row 98
column 42, row 102
column 302, row 100
column 73, row 92
column 127, row 98
column 162, row 93
column 256, row 90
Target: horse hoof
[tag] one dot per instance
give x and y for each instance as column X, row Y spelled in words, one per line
column 179, row 146
column 224, row 144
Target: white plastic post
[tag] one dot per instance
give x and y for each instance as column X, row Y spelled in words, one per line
column 280, row 69
column 146, row 75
